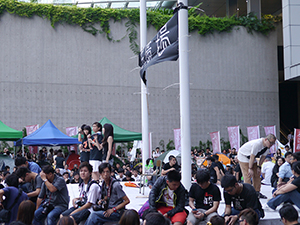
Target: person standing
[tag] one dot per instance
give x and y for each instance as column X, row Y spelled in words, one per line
column 258, row 148
column 85, row 130
column 96, row 150
column 107, row 143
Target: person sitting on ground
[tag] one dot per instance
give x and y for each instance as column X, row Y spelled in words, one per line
column 167, row 196
column 207, row 197
column 248, row 217
column 11, row 193
column 89, row 191
column 285, row 171
column 170, row 166
column 289, row 192
column 66, row 177
column 128, row 177
column 135, row 175
column 66, row 220
column 130, row 217
column 34, row 179
column 288, row 215
column 242, row 196
column 275, row 171
column 113, row 199
column 154, row 218
column 32, row 166
column 76, row 178
column 120, row 175
column 215, row 174
column 26, row 212
column 266, row 171
column 53, row 198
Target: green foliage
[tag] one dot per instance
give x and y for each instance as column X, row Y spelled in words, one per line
column 244, row 139
column 204, row 145
column 170, row 145
column 87, row 18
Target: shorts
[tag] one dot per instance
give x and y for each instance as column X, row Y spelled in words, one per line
column 178, row 217
column 95, row 164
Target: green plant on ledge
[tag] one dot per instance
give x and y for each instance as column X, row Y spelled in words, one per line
column 88, row 17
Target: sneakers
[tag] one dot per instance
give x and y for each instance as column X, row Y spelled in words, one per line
column 260, row 195
column 268, row 208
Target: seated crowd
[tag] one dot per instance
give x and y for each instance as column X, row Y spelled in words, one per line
column 34, row 195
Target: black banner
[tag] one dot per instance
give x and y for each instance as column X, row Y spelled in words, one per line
column 163, row 47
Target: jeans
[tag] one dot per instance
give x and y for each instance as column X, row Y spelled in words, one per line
column 293, row 196
column 52, row 217
column 97, row 217
column 237, row 212
column 79, row 216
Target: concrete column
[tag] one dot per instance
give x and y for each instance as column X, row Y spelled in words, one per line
column 255, row 7
column 231, row 8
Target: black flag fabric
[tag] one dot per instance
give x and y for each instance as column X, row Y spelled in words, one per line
column 163, row 47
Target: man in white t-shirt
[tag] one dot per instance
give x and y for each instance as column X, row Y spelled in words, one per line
column 89, row 192
column 267, row 171
column 247, row 154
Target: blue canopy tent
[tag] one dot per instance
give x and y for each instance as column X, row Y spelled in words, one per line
column 47, row 135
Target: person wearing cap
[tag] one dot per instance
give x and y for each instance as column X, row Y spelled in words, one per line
column 247, row 154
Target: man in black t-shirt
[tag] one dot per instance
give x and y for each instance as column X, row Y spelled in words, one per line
column 207, row 197
column 242, row 196
column 172, row 165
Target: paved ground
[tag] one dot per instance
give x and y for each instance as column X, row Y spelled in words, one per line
column 137, row 200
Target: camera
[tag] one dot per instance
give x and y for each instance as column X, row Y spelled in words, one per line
column 103, row 206
column 48, row 207
column 79, row 203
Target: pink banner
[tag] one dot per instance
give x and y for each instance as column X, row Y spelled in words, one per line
column 71, row 131
column 31, row 128
column 33, row 149
column 177, row 139
column 215, row 139
column 234, row 137
column 253, row 133
column 296, row 140
column 271, row 130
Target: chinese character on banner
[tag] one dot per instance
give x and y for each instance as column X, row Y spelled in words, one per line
column 177, row 138
column 253, row 133
column 215, row 139
column 31, row 128
column 234, row 137
column 296, row 140
column 71, row 131
column 271, row 130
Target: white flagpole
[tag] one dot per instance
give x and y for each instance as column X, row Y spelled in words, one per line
column 144, row 91
column 184, row 80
